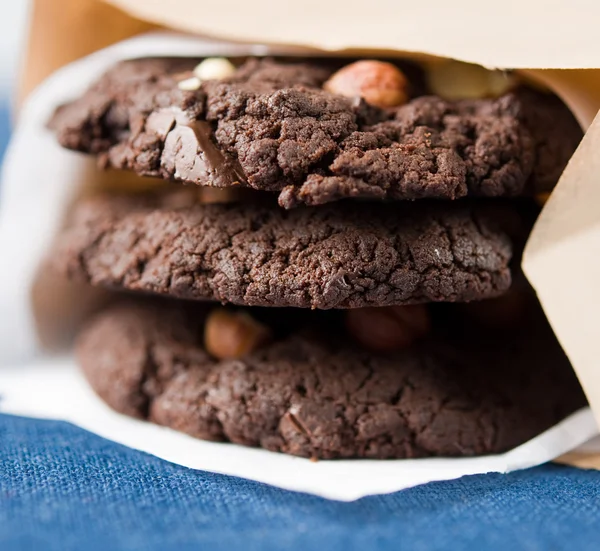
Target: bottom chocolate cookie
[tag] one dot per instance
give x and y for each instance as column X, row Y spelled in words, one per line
column 313, row 393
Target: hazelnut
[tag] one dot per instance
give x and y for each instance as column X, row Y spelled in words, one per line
column 389, row 328
column 214, row 68
column 454, row 80
column 189, row 84
column 229, row 335
column 379, row 83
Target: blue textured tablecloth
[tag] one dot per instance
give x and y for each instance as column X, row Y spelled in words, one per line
column 62, row 488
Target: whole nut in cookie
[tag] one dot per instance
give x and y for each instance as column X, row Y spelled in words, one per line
column 454, row 80
column 229, row 335
column 379, row 83
column 389, row 328
column 214, row 68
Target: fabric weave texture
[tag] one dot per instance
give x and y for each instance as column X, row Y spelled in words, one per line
column 62, row 488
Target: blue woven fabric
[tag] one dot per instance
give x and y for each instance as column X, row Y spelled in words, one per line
column 62, row 488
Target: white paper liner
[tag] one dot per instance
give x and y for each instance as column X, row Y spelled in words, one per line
column 39, row 179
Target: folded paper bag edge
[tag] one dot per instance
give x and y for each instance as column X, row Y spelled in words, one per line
column 64, row 30
column 539, row 37
column 561, row 262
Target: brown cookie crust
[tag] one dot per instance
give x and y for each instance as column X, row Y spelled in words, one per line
column 342, row 256
column 330, row 399
column 272, row 127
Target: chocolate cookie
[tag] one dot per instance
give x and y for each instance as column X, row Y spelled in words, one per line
column 254, row 254
column 463, row 394
column 271, row 126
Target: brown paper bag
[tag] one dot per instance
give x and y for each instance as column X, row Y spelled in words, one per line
column 558, row 47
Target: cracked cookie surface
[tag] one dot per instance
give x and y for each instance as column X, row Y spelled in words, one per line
column 272, row 127
column 327, row 398
column 254, row 254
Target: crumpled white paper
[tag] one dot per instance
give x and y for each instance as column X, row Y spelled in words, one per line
column 38, row 181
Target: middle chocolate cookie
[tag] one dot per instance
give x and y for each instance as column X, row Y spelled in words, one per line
column 347, row 256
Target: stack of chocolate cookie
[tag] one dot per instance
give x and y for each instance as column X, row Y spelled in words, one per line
column 347, row 216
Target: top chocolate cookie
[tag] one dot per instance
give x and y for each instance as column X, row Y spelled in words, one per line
column 273, row 126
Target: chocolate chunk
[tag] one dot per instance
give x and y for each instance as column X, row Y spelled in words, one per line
column 190, row 155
